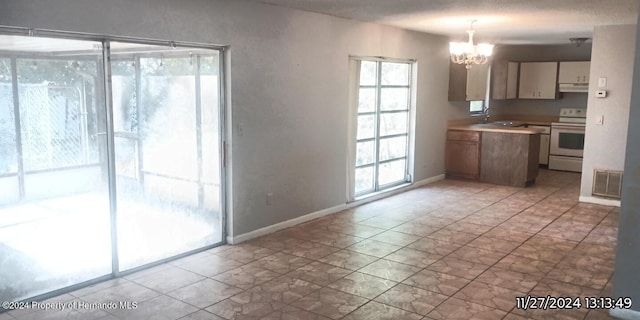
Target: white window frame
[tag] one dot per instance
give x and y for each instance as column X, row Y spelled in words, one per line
column 354, row 85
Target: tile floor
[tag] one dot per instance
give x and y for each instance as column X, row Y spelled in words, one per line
column 449, row 250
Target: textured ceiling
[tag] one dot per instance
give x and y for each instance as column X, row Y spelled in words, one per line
column 498, row 21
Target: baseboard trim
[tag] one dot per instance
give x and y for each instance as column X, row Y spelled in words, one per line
column 284, row 224
column 324, row 212
column 626, row 314
column 596, row 200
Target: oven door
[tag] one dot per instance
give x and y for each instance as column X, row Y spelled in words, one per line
column 567, row 140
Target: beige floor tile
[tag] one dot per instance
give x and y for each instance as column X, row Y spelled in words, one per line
column 416, row 229
column 286, row 289
column 434, row 246
column 457, row 267
column 363, row 285
column 201, row 315
column 348, row 259
column 490, row 296
column 293, row 313
column 411, row 299
column 169, row 279
column 374, row 248
column 391, row 270
column 204, row 293
column 525, row 265
column 319, row 273
column 378, row 311
column 395, row 237
column 245, row 253
column 161, row 306
column 251, row 304
column 210, row 265
column 307, row 249
column 413, row 257
column 454, row 237
column 481, row 256
column 442, row 283
column 485, row 242
column 513, row 280
column 454, row 308
column 281, row 262
column 246, row 276
column 330, row 303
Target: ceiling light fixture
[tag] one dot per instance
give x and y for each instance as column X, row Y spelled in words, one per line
column 469, row 54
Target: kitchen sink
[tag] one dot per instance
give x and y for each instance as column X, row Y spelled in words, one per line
column 507, row 123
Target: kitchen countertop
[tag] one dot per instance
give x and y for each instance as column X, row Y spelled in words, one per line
column 494, row 128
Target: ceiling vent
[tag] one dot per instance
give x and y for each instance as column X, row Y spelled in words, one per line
column 607, row 183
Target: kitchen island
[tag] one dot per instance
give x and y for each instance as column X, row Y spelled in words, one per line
column 493, row 154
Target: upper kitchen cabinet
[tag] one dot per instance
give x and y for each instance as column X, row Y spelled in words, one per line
column 538, row 80
column 504, row 80
column 574, row 76
column 468, row 84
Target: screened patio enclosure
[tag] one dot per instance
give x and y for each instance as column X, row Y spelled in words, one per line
column 105, row 167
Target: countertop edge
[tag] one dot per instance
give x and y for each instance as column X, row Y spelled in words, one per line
column 485, row 128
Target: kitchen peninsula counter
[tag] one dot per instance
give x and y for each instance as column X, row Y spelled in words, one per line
column 493, row 154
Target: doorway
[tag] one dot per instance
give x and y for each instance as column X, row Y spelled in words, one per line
column 105, row 167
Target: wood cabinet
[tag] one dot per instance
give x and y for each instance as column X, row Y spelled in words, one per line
column 574, row 72
column 538, row 80
column 468, row 84
column 504, row 80
column 462, row 154
column 509, row 158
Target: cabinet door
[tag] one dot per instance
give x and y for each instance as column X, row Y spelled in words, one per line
column 463, row 159
column 544, row 149
column 477, row 78
column 574, row 72
column 547, row 80
column 504, row 80
column 538, row 80
column 512, row 80
column 528, row 81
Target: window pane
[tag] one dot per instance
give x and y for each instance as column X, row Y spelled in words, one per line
column 476, row 106
column 366, row 127
column 8, row 156
column 391, row 148
column 394, row 99
column 393, row 123
column 395, row 74
column 365, row 153
column 367, row 100
column 368, row 71
column 364, row 179
column 393, row 171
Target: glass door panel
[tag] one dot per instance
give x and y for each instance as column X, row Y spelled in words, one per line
column 166, row 123
column 54, row 225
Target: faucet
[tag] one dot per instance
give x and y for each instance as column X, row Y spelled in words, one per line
column 485, row 112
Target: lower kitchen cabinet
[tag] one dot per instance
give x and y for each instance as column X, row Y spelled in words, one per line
column 462, row 155
column 509, row 158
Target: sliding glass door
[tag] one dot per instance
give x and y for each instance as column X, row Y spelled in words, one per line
column 89, row 186
column 167, row 150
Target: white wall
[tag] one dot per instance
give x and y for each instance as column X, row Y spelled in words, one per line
column 289, row 88
column 612, row 56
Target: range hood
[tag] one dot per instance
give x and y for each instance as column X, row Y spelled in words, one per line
column 573, row 87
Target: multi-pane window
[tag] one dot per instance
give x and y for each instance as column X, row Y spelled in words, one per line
column 382, row 134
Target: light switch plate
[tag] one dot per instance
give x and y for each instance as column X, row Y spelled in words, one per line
column 602, row 82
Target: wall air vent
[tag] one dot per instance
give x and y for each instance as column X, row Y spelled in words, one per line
column 607, row 183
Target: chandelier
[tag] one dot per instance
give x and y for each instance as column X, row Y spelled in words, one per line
column 469, row 54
